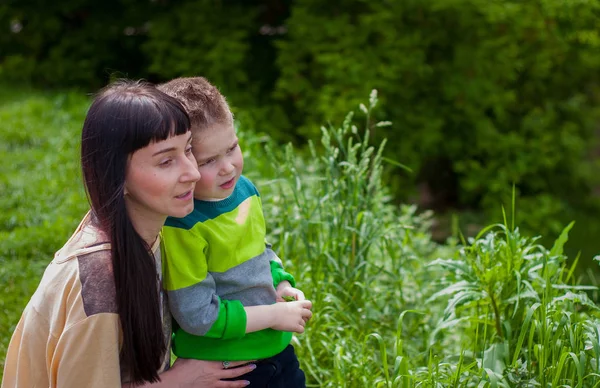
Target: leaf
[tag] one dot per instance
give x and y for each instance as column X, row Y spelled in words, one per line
column 557, row 249
column 524, row 331
column 581, row 299
column 397, row 164
column 461, row 298
column 452, row 289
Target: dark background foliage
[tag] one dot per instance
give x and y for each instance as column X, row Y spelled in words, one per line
column 483, row 95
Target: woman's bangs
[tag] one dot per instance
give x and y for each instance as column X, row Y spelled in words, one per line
column 158, row 120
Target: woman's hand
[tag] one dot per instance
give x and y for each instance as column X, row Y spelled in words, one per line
column 186, row 373
column 209, row 374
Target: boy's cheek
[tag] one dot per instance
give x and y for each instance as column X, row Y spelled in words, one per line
column 198, row 192
column 202, row 185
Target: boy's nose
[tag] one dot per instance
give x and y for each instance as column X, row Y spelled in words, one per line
column 227, row 168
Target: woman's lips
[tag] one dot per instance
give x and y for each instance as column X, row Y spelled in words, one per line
column 186, row 196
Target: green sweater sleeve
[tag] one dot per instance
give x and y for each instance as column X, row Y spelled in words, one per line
column 231, row 321
column 277, row 271
column 280, row 275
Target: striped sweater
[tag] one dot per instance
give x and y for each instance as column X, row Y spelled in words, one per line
column 215, row 263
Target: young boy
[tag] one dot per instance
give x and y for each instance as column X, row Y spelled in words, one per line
column 222, row 280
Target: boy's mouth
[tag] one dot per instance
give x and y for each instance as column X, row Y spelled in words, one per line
column 229, row 184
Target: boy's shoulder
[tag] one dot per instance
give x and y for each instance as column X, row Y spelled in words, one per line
column 245, row 186
column 204, row 210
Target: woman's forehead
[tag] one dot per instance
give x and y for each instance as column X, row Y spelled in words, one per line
column 172, row 143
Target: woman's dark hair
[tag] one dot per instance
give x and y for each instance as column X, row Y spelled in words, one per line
column 124, row 117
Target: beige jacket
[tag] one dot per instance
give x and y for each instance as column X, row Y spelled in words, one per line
column 69, row 334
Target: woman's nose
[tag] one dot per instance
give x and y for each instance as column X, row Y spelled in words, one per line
column 190, row 173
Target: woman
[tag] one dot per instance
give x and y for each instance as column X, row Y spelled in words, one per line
column 99, row 316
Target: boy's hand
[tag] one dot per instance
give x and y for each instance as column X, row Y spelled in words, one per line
column 291, row 316
column 285, row 289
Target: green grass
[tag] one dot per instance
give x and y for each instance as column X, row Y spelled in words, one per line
column 42, row 197
column 392, row 308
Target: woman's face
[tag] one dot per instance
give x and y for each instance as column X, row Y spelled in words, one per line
column 160, row 180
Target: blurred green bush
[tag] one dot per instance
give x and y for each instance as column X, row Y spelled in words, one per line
column 482, row 95
column 72, row 42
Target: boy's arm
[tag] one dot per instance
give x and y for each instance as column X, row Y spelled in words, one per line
column 283, row 282
column 277, row 271
column 234, row 320
column 198, row 310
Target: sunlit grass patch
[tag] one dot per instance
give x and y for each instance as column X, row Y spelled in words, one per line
column 42, row 197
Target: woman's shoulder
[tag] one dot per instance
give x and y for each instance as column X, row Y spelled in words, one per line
column 98, row 291
column 91, row 249
column 81, row 274
column 88, row 238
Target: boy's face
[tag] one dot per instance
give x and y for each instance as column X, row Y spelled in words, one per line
column 220, row 161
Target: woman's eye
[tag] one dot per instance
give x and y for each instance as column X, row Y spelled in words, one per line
column 188, row 150
column 165, row 163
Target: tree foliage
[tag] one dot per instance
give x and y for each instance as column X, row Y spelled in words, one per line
column 482, row 95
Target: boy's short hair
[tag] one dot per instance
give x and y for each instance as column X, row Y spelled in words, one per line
column 202, row 100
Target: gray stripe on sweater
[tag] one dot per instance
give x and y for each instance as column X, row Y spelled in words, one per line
column 250, row 282
column 196, row 307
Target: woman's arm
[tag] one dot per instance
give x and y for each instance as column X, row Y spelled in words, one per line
column 87, row 355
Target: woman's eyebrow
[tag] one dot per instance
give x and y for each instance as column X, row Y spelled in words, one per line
column 165, row 150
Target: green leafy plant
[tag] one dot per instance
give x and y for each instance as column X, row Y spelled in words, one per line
column 522, row 302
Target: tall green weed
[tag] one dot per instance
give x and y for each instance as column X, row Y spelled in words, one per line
column 498, row 309
column 392, row 308
column 357, row 256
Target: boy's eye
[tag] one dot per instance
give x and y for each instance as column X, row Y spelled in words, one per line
column 209, row 161
column 188, row 150
column 232, row 148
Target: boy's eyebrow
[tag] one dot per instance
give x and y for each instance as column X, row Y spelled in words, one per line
column 165, row 150
column 234, row 142
column 217, row 154
column 206, row 158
